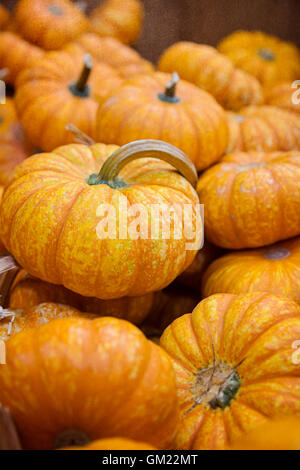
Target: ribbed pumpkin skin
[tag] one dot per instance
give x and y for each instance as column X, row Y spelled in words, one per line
column 48, row 222
column 215, row 73
column 49, row 24
column 46, row 105
column 16, row 54
column 281, row 434
column 264, row 128
column 4, row 16
column 251, row 199
column 266, row 57
column 110, row 380
column 27, row 291
column 114, row 443
column 134, row 111
column 120, row 19
column 125, row 60
column 281, row 95
column 274, row 269
column 255, row 331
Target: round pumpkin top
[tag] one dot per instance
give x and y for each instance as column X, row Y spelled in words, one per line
column 267, row 57
column 49, row 23
column 160, row 106
column 111, row 381
column 233, row 358
column 61, row 196
column 62, row 87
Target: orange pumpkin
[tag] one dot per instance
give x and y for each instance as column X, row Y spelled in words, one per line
column 4, row 16
column 49, row 24
column 192, row 276
column 283, row 434
column 27, row 291
column 266, row 57
column 87, row 380
column 52, row 222
column 250, row 199
column 120, row 19
column 285, row 95
column 60, row 88
column 233, row 358
column 208, row 69
column 16, row 54
column 124, row 59
column 114, row 443
column 274, row 269
column 264, row 128
column 157, row 107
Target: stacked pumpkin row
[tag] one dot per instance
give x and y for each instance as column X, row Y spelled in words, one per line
column 224, row 369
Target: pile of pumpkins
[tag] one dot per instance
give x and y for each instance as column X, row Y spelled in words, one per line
column 141, row 343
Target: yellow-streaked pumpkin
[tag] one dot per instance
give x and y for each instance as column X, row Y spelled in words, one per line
column 251, row 199
column 62, row 87
column 110, row 380
column 233, row 358
column 120, row 19
column 263, row 129
column 49, row 24
column 274, row 269
column 284, row 95
column 267, row 57
column 208, row 69
column 157, row 106
column 54, row 220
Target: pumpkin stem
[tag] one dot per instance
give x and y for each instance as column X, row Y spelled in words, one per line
column 81, row 137
column 143, row 149
column 9, row 439
column 170, row 91
column 81, row 87
column 71, row 437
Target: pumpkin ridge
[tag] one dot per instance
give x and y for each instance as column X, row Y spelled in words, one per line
column 280, row 200
column 205, row 417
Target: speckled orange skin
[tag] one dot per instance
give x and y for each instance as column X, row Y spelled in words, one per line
column 243, row 48
column 114, row 443
column 46, row 105
column 110, row 380
column 283, row 434
column 208, row 69
column 274, row 269
column 259, row 330
column 49, row 24
column 192, row 276
column 125, row 60
column 16, row 54
column 281, row 95
column 134, row 111
column 27, row 291
column 263, row 128
column 4, row 16
column 120, row 19
column 48, row 222
column 251, row 199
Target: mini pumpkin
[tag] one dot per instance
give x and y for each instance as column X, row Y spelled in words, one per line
column 233, row 361
column 124, row 59
column 158, row 107
column 274, row 269
column 120, row 19
column 282, row 434
column 60, row 88
column 266, row 57
column 16, row 54
column 27, row 291
column 263, row 128
column 114, row 443
column 52, row 220
column 4, row 16
column 284, row 95
column 111, row 382
column 251, row 199
column 49, row 24
column 208, row 69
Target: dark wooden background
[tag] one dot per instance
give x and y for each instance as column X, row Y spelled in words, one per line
column 207, row 21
